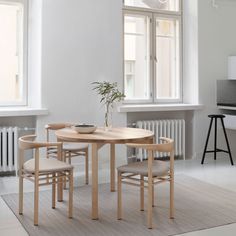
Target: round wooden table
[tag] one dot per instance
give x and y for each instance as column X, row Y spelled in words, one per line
column 120, row 135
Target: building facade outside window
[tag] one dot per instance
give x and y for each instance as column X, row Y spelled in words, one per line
column 13, row 56
column 153, row 51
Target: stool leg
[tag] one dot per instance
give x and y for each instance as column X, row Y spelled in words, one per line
column 208, row 135
column 215, row 142
column 227, row 142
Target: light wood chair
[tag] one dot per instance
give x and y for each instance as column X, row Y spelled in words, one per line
column 43, row 171
column 148, row 173
column 69, row 149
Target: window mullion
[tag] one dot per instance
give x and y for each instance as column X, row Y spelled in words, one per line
column 153, row 48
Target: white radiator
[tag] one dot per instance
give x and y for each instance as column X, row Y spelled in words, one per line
column 8, row 149
column 174, row 129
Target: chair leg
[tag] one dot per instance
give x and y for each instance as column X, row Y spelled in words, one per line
column 47, row 179
column 54, row 191
column 150, row 196
column 71, row 187
column 153, row 196
column 21, row 182
column 64, row 159
column 141, row 193
column 119, row 195
column 86, row 166
column 69, row 157
column 172, row 198
column 36, row 200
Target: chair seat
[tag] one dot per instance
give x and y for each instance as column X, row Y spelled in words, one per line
column 159, row 168
column 74, row 146
column 46, row 165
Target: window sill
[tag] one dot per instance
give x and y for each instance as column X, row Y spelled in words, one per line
column 22, row 111
column 159, row 107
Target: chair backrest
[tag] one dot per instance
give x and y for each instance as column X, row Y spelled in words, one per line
column 28, row 142
column 166, row 146
column 50, row 129
column 54, row 127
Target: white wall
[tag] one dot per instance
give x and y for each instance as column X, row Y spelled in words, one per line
column 217, row 40
column 190, row 51
column 209, row 37
column 81, row 43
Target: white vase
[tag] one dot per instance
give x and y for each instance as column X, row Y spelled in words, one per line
column 108, row 118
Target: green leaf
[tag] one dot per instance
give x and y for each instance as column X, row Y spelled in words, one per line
column 109, row 92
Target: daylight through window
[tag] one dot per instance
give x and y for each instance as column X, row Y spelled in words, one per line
column 152, row 50
column 12, row 58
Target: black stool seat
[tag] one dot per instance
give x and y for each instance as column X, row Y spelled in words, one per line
column 215, row 117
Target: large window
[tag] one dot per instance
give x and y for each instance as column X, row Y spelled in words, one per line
column 137, row 56
column 152, row 50
column 13, row 52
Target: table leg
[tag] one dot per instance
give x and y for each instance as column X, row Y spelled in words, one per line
column 94, row 181
column 112, row 167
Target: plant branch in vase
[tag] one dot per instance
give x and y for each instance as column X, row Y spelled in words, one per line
column 110, row 94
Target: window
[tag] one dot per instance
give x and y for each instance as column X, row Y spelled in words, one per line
column 129, row 78
column 137, row 54
column 164, row 5
column 13, row 53
column 152, row 51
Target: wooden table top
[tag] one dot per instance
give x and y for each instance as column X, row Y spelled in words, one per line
column 115, row 135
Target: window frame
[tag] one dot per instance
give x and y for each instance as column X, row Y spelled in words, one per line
column 169, row 100
column 153, row 14
column 138, row 13
column 24, row 101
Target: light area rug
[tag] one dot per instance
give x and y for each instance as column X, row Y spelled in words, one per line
column 198, row 206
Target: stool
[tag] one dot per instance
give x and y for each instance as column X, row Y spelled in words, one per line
column 221, row 117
